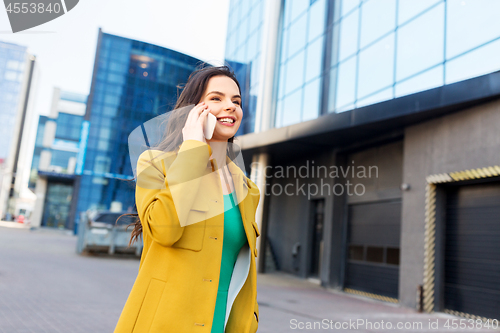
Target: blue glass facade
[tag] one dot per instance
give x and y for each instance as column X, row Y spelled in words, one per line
column 300, row 61
column 66, row 137
column 244, row 54
column 377, row 50
column 132, row 83
column 12, row 73
column 68, row 127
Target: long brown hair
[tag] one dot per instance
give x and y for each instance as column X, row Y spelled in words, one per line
column 172, row 137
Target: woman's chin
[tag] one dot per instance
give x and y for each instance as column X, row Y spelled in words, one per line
column 224, row 135
column 220, row 138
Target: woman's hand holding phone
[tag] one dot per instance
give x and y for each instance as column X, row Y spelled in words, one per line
column 193, row 129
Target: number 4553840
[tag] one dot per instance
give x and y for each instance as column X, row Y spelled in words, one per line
column 471, row 323
column 33, row 7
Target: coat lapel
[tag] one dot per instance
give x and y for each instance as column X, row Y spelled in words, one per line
column 242, row 190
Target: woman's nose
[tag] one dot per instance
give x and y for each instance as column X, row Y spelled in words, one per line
column 230, row 106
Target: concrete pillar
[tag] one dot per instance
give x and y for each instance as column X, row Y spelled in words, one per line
column 270, row 43
column 40, row 191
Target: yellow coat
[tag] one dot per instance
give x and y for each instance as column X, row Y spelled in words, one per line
column 180, row 205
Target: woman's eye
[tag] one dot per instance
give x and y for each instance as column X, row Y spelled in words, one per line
column 214, row 98
column 237, row 102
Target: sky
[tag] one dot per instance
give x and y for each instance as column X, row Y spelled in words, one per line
column 65, row 47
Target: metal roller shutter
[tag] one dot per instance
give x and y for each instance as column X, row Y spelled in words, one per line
column 472, row 250
column 373, row 247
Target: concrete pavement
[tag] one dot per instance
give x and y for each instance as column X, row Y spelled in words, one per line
column 46, row 287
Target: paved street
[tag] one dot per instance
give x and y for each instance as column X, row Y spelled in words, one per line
column 46, row 287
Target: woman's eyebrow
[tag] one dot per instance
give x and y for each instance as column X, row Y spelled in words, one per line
column 222, row 94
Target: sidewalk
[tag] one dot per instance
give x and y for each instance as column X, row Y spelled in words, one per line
column 289, row 304
column 10, row 224
column 46, row 287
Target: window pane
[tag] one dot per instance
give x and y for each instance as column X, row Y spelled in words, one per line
column 256, row 16
column 376, row 66
column 292, row 107
column 356, row 252
column 409, row 9
column 375, row 254
column 392, row 256
column 314, row 59
column 253, row 47
column 254, row 75
column 279, row 112
column 284, row 46
column 317, row 17
column 281, row 87
column 420, row 43
column 378, row 17
column 245, row 7
column 346, row 83
column 298, row 35
column 427, row 80
column 312, row 97
column 295, row 72
column 105, row 133
column 286, row 13
column 470, row 24
column 478, row 62
column 348, row 5
column 298, row 7
column 349, row 35
column 239, row 12
column 384, row 95
column 243, row 31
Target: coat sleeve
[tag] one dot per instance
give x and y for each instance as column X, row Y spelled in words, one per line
column 166, row 189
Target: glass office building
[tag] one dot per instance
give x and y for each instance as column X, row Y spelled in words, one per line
column 66, row 137
column 335, row 56
column 12, row 73
column 411, row 87
column 53, row 164
column 132, row 82
column 18, row 82
column 387, row 49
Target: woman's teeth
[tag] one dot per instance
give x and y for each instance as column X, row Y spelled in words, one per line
column 226, row 120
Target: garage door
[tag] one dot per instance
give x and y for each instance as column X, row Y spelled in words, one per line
column 472, row 250
column 373, row 247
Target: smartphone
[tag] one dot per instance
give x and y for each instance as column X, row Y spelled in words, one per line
column 208, row 129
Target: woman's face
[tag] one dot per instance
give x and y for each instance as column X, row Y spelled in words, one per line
column 224, row 101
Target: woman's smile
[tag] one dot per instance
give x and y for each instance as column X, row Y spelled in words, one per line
column 226, row 121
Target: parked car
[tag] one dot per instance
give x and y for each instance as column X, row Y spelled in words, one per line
column 99, row 231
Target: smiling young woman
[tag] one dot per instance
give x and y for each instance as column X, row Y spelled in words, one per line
column 197, row 271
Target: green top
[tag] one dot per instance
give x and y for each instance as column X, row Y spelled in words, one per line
column 234, row 238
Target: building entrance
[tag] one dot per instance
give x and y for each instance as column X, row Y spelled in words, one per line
column 57, row 205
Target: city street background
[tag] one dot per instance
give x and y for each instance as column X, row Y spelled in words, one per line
column 46, row 287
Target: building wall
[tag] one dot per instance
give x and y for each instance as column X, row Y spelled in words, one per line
column 18, row 82
column 289, row 212
column 372, row 223
column 465, row 140
column 289, row 219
